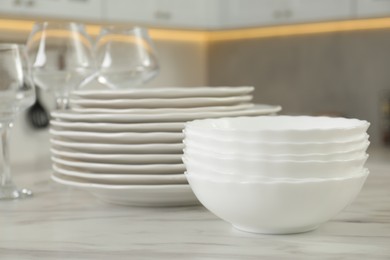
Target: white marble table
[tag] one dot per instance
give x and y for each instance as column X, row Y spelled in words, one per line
column 63, row 223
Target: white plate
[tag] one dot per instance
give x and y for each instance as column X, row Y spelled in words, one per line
column 112, row 127
column 123, row 179
column 163, row 110
column 165, row 92
column 119, row 158
column 119, row 138
column 136, row 118
column 118, row 148
column 159, row 102
column 122, row 168
column 135, row 195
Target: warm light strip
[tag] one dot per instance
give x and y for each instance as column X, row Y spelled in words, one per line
column 156, row 34
column 16, row 25
column 300, row 29
column 232, row 34
column 163, row 34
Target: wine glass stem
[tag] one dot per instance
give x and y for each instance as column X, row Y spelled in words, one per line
column 5, row 173
column 61, row 103
column 62, row 99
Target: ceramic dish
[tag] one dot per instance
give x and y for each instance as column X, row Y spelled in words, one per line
column 159, row 102
column 217, row 144
column 135, row 195
column 276, row 207
column 163, row 110
column 212, row 173
column 99, row 148
column 121, row 168
column 219, row 151
column 122, row 179
column 118, row 138
column 165, row 92
column 120, row 118
column 268, row 168
column 112, row 127
column 281, row 128
column 119, row 158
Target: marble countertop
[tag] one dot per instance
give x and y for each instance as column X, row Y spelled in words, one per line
column 64, row 223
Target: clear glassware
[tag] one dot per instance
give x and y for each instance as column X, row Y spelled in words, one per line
column 16, row 93
column 125, row 57
column 61, row 56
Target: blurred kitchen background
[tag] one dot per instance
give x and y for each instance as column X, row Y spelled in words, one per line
column 316, row 57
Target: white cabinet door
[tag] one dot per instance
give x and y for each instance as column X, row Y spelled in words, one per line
column 62, row 9
column 188, row 13
column 372, row 8
column 321, row 10
column 129, row 10
column 242, row 13
column 170, row 13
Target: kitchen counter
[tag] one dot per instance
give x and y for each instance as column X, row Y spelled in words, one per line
column 65, row 223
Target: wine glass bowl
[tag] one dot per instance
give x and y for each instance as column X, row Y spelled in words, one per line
column 16, row 94
column 125, row 56
column 61, row 57
column 16, row 87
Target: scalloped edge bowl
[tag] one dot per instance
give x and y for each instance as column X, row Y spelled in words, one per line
column 281, row 128
column 276, row 207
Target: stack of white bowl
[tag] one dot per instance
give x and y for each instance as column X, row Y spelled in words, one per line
column 276, row 174
column 125, row 146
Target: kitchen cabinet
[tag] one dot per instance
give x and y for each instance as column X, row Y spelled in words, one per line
column 129, row 11
column 243, row 13
column 372, row 8
column 85, row 10
column 196, row 14
column 170, row 13
column 319, row 10
column 271, row 12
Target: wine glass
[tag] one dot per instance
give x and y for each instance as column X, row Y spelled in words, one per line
column 16, row 93
column 125, row 56
column 61, row 57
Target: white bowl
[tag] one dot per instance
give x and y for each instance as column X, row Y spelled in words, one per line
column 273, row 169
column 276, row 207
column 237, row 175
column 216, row 144
column 356, row 153
column 280, row 128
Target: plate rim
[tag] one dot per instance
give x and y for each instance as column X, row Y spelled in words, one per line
column 120, row 187
column 121, row 167
column 259, row 109
column 57, row 142
column 139, row 92
column 107, row 156
column 106, row 176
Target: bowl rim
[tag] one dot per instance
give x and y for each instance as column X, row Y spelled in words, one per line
column 363, row 148
column 267, row 161
column 364, row 172
column 197, row 124
column 364, row 137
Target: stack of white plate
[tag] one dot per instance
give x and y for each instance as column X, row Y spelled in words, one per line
column 125, row 147
column 276, row 174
